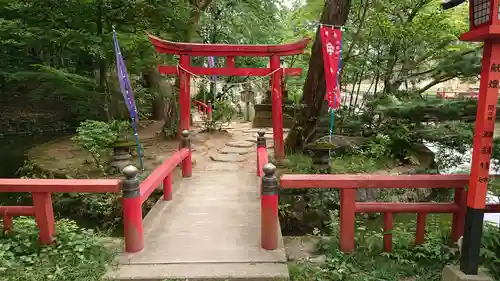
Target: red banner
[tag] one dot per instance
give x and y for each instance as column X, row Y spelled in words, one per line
column 331, row 38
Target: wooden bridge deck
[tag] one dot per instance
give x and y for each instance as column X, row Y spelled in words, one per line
column 209, row 231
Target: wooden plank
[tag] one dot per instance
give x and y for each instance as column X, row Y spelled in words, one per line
column 228, row 50
column 17, row 211
column 227, row 71
column 390, row 207
column 374, row 181
column 60, row 185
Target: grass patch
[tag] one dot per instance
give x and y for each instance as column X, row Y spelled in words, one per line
column 77, row 255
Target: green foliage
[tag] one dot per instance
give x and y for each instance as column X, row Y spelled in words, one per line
column 97, row 137
column 490, row 251
column 77, row 254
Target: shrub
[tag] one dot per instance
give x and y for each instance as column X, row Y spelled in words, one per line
column 77, row 254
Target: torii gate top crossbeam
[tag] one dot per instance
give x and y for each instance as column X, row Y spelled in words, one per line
column 228, row 50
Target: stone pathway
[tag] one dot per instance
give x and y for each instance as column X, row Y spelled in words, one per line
column 211, row 228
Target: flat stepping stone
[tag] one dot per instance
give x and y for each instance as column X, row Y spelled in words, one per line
column 222, row 166
column 233, row 150
column 228, row 158
column 242, row 144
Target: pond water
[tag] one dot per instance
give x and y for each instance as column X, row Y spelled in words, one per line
column 464, row 167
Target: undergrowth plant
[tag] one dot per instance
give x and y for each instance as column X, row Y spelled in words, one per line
column 77, row 254
column 407, row 261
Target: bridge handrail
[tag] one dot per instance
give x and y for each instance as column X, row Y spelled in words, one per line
column 348, row 184
column 160, row 173
column 203, row 107
column 41, row 191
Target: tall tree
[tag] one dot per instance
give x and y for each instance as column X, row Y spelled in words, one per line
column 335, row 12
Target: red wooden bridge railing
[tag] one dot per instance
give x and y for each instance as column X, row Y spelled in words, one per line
column 204, row 108
column 134, row 194
column 269, row 196
column 349, row 207
column 41, row 191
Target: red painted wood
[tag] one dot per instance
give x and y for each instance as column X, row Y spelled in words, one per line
column 262, row 159
column 458, row 222
column 226, row 71
column 347, row 219
column 44, row 215
column 387, row 232
column 59, row 185
column 485, row 126
column 383, row 207
column 269, row 222
column 184, row 95
column 374, row 181
column 482, row 33
column 187, row 166
column 492, row 208
column 7, row 223
column 167, row 188
column 230, row 62
column 28, row 211
column 277, row 108
column 160, row 173
column 228, row 50
column 132, row 224
column 420, row 229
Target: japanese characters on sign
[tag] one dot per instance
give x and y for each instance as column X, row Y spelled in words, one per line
column 331, row 39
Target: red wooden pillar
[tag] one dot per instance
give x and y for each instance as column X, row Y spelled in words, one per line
column 167, row 188
column 279, row 148
column 481, row 154
column 44, row 215
column 420, row 235
column 269, row 209
column 387, row 232
column 457, row 227
column 347, row 219
column 132, row 211
column 184, row 94
column 7, row 223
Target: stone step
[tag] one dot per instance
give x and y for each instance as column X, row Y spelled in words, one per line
column 234, row 150
column 205, row 272
column 227, row 158
column 241, row 144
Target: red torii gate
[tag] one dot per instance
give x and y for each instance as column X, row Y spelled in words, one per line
column 230, row 51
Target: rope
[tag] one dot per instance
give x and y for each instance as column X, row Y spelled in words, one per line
column 229, row 84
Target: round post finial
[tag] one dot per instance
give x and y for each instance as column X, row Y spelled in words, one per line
column 185, row 133
column 269, row 169
column 130, row 172
column 261, row 139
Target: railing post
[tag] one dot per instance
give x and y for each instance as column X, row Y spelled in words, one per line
column 347, row 219
column 7, row 223
column 387, row 232
column 187, row 164
column 420, row 232
column 44, row 215
column 269, row 208
column 458, row 222
column 209, row 111
column 261, row 142
column 167, row 187
column 132, row 211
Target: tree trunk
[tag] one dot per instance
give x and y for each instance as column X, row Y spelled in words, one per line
column 335, row 12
